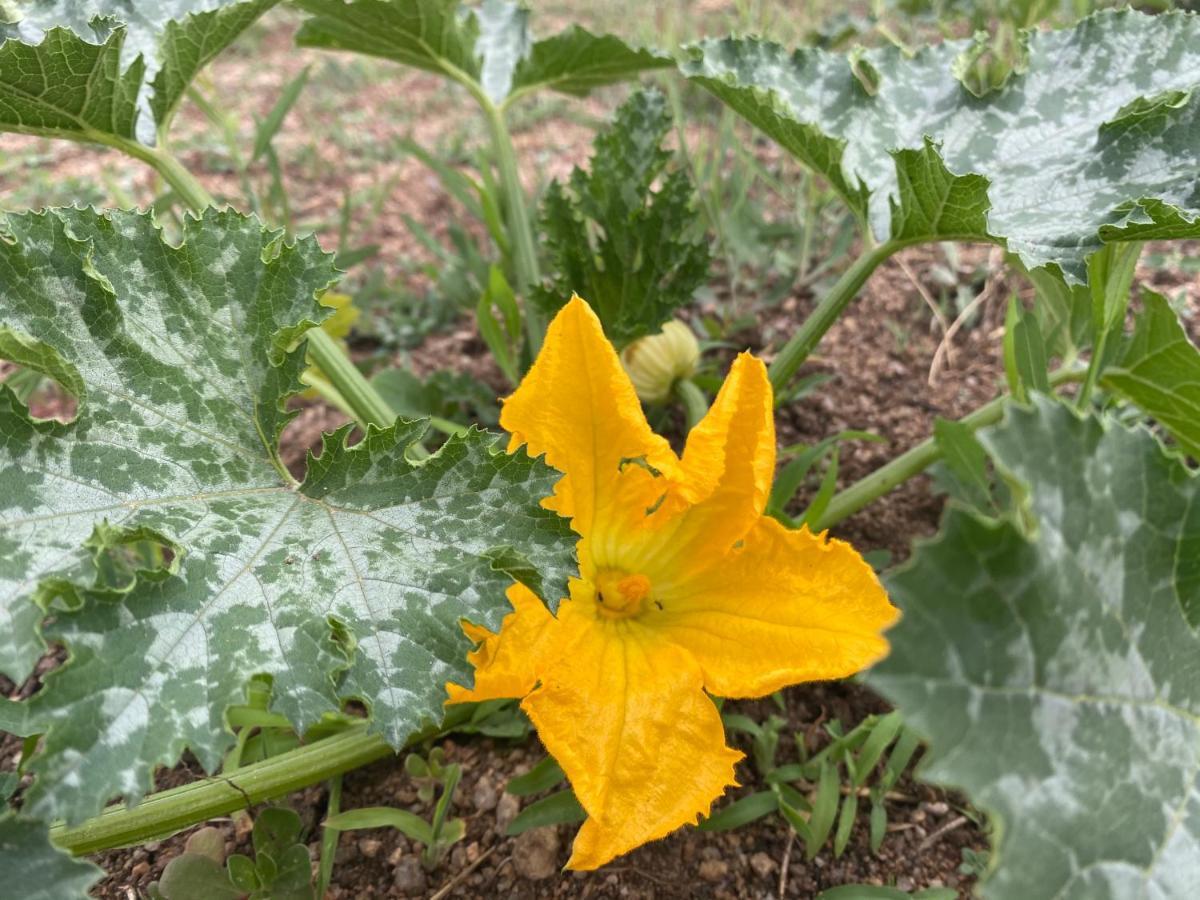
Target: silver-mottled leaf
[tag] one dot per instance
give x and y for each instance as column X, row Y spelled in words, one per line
column 42, row 871
column 1064, row 157
column 1058, row 677
column 110, row 67
column 177, row 556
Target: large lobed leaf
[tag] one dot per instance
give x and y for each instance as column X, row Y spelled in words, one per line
column 1099, row 140
column 103, row 69
column 42, row 871
column 350, row 584
column 1057, row 676
column 492, row 45
column 630, row 250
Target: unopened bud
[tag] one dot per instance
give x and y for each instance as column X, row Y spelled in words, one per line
column 657, row 361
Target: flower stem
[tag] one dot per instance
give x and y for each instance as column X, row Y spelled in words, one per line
column 695, row 404
column 916, row 460
column 821, row 319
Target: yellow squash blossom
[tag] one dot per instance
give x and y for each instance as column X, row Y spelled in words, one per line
column 684, row 587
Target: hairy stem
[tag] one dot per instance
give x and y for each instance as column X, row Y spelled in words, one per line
column 165, row 813
column 364, row 401
column 916, row 460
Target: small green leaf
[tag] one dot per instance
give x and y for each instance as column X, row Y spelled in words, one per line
column 545, row 775
column 193, row 876
column 1159, row 370
column 275, row 829
column 878, row 821
column 269, row 127
column 845, row 824
column 242, row 872
column 561, row 808
column 742, row 812
column 882, row 734
column 412, row 826
column 825, row 807
column 966, row 461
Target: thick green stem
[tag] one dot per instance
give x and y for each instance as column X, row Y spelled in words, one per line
column 695, row 404
column 364, row 401
column 916, row 460
column 520, row 224
column 193, row 194
column 170, row 811
column 821, row 319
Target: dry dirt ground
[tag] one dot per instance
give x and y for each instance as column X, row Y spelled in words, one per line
column 341, row 139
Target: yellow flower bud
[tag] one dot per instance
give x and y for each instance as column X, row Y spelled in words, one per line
column 657, row 361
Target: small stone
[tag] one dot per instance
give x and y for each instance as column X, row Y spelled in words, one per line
column 152, row 846
column 458, row 858
column 472, row 851
column 485, row 795
column 762, row 864
column 940, row 808
column 507, row 808
column 369, row 847
column 904, row 883
column 714, row 869
column 409, row 876
column 535, row 854
column 139, row 870
column 208, row 842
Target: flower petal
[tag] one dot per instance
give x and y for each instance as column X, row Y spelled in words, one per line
column 725, row 479
column 786, row 607
column 625, row 716
column 506, row 662
column 577, row 406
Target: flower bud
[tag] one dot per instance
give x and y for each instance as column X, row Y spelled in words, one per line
column 655, row 362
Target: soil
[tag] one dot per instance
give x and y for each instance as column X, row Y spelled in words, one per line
column 880, row 355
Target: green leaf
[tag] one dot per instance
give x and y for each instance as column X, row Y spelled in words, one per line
column 622, row 246
column 490, row 46
column 42, row 870
column 541, row 777
column 193, row 876
column 269, row 127
column 411, row 825
column 742, row 811
column 561, row 808
column 1159, row 370
column 965, row 461
column 575, row 61
column 351, row 584
column 1058, row 678
column 99, row 69
column 925, row 159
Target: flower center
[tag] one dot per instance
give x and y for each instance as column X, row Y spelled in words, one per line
column 619, row 594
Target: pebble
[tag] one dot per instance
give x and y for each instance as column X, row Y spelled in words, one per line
column 409, row 876
column 485, row 795
column 535, row 854
column 903, row 883
column 940, row 808
column 369, row 847
column 139, row 870
column 506, row 810
column 762, row 864
column 208, row 842
column 714, row 869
